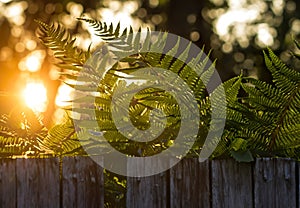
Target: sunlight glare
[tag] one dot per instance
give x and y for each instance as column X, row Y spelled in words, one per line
column 235, row 16
column 120, row 12
column 75, row 9
column 33, row 61
column 264, row 36
column 277, row 6
column 35, row 96
column 114, row 12
column 15, row 12
column 5, row 1
column 247, row 19
column 121, row 16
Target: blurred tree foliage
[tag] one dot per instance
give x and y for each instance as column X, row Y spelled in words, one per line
column 192, row 19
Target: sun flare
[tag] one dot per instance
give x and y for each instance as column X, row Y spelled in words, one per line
column 35, row 96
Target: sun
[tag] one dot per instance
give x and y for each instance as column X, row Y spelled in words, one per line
column 35, row 96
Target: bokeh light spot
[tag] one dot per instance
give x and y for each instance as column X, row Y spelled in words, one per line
column 15, row 12
column 290, row 6
column 239, row 57
column 16, row 31
column 264, row 36
column 75, row 9
column 142, row 12
column 217, row 2
column 153, row 3
column 227, row 48
column 33, row 61
column 49, row 8
column 195, row 36
column 20, row 47
column 156, row 19
column 30, row 44
column 296, row 26
column 191, row 18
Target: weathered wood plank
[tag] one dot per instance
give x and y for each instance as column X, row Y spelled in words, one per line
column 82, row 183
column 37, row 182
column 274, row 183
column 231, row 184
column 190, row 184
column 8, row 184
column 148, row 191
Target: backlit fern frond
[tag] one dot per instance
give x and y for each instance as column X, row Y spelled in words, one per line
column 21, row 134
column 232, row 144
column 100, row 88
column 62, row 139
column 264, row 122
column 272, row 110
column 104, row 31
column 61, row 43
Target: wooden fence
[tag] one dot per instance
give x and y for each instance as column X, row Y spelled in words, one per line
column 218, row 183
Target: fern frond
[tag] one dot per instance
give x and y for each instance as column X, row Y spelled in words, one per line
column 271, row 110
column 62, row 140
column 21, row 133
column 195, row 73
column 105, row 31
column 283, row 77
column 62, row 44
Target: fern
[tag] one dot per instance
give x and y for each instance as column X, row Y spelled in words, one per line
column 62, row 140
column 152, row 98
column 234, row 118
column 144, row 101
column 21, row 134
column 107, row 33
column 61, row 43
column 265, row 122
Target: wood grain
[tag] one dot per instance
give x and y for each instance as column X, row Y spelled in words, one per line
column 190, row 184
column 231, row 184
column 148, row 191
column 37, row 182
column 82, row 183
column 275, row 183
column 218, row 183
column 8, row 196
